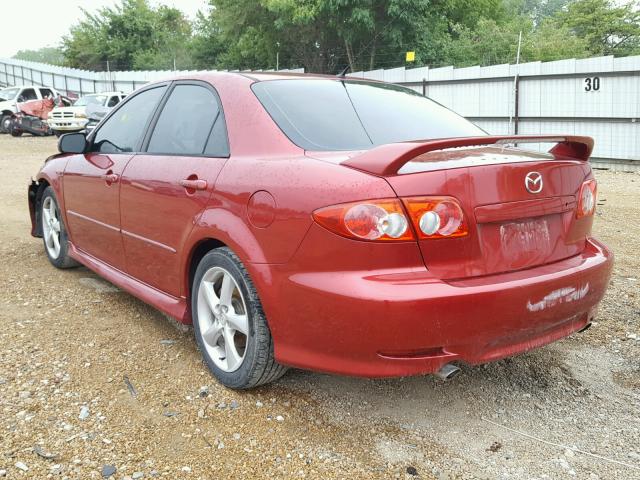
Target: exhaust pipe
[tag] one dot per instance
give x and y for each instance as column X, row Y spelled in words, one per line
column 447, row 372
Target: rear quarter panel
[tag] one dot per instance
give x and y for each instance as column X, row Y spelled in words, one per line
column 297, row 186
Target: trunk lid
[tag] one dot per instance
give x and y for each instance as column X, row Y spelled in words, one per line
column 511, row 227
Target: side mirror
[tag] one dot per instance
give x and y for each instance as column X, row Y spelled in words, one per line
column 72, row 143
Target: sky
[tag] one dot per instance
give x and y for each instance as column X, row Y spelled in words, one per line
column 52, row 19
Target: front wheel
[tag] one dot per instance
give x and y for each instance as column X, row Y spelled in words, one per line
column 15, row 131
column 5, row 123
column 229, row 324
column 54, row 233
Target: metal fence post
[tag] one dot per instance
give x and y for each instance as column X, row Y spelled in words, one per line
column 516, row 105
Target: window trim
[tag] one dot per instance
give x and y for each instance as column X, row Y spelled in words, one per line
column 154, row 121
column 120, row 105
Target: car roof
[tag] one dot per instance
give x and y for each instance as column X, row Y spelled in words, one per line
column 261, row 76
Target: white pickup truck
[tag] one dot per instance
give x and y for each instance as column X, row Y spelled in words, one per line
column 75, row 118
column 11, row 96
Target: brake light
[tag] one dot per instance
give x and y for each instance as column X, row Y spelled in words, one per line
column 386, row 220
column 587, row 199
column 437, row 217
column 383, row 220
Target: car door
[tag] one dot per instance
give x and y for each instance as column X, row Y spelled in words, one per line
column 165, row 189
column 92, row 180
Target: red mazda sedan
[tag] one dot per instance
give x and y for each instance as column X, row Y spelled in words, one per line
column 325, row 223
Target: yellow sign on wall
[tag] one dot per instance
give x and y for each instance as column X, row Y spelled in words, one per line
column 411, row 56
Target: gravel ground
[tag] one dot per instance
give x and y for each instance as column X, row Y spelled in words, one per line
column 94, row 381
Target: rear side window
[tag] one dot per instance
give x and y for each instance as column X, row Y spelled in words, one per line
column 348, row 115
column 113, row 101
column 186, row 124
column 123, row 131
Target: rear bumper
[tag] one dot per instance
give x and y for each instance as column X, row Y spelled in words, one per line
column 397, row 323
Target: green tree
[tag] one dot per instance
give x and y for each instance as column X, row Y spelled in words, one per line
column 607, row 28
column 377, row 33
column 323, row 35
column 206, row 44
column 326, row 35
column 130, row 35
column 50, row 55
column 551, row 41
column 489, row 43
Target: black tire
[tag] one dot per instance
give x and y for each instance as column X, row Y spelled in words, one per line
column 57, row 133
column 259, row 365
column 15, row 132
column 62, row 260
column 5, row 123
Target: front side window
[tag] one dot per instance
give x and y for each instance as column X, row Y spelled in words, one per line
column 27, row 95
column 186, row 123
column 46, row 93
column 123, row 131
column 352, row 115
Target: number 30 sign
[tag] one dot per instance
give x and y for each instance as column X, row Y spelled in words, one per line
column 592, row 84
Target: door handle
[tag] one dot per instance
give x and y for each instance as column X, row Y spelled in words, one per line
column 110, row 178
column 193, row 184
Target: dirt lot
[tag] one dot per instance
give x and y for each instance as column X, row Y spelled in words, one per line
column 69, row 343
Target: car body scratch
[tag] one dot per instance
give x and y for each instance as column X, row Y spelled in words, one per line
column 560, row 296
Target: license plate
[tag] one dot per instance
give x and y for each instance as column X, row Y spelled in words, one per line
column 525, row 239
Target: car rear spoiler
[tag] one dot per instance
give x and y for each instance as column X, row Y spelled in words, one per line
column 388, row 159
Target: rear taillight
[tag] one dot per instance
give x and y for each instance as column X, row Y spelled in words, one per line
column 386, row 220
column 370, row 220
column 437, row 217
column 587, row 199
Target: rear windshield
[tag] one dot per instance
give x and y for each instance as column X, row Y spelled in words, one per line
column 347, row 115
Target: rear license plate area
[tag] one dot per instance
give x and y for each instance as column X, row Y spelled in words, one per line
column 525, row 242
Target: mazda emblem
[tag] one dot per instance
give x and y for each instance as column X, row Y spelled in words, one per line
column 533, row 182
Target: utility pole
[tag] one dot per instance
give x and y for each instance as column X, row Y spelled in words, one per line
column 108, row 76
column 516, row 94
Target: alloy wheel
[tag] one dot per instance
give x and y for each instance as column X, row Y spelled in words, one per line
column 51, row 227
column 223, row 319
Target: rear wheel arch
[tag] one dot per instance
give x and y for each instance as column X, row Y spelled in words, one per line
column 198, row 251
